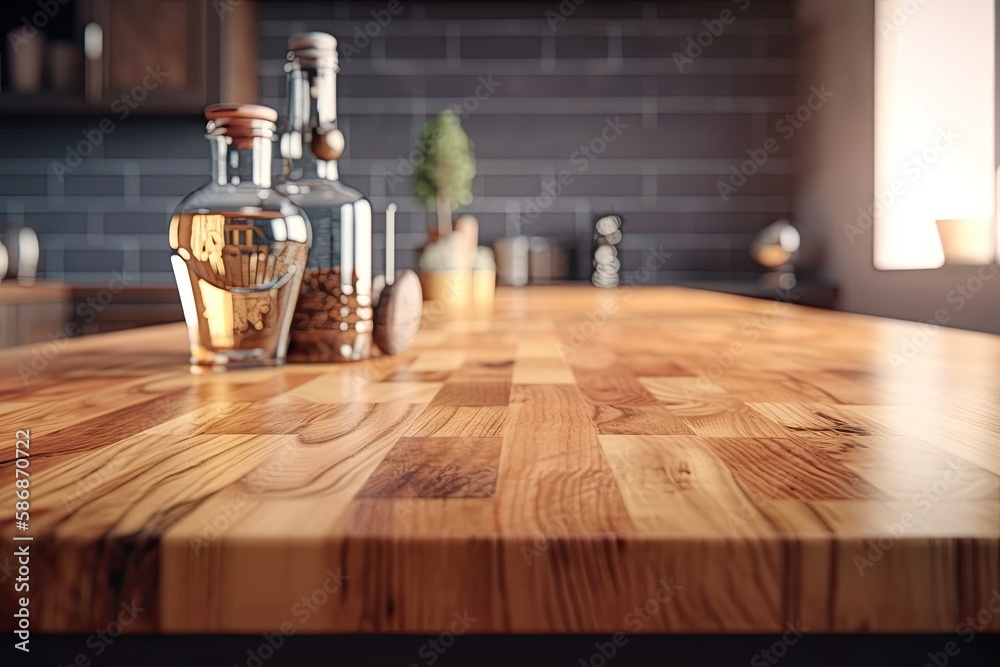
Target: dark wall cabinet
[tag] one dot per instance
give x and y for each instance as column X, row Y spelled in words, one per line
column 177, row 54
column 155, row 52
column 156, row 57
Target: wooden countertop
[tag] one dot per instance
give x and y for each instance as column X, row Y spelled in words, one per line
column 726, row 464
column 41, row 291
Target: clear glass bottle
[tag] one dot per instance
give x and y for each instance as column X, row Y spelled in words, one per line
column 333, row 318
column 240, row 247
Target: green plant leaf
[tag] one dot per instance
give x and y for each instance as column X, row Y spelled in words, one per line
column 447, row 163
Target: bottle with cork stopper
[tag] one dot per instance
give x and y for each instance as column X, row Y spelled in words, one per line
column 239, row 247
column 333, row 320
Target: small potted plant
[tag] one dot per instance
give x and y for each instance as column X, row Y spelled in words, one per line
column 443, row 182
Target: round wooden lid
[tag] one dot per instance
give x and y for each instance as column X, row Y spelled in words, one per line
column 398, row 314
column 242, row 111
column 319, row 41
column 313, row 49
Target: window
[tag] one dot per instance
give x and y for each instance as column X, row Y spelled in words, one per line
column 935, row 127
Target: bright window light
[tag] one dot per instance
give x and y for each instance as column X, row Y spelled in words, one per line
column 934, row 126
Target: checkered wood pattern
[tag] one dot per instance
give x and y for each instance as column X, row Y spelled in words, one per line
column 544, row 470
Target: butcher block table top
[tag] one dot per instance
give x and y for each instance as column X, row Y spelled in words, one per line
column 644, row 460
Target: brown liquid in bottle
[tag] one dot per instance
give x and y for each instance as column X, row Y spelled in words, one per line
column 238, row 283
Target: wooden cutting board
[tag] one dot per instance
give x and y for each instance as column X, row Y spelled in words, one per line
column 642, row 460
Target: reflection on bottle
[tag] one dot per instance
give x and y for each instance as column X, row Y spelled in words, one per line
column 238, row 285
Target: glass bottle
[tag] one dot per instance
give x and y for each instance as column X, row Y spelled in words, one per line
column 333, row 318
column 240, row 247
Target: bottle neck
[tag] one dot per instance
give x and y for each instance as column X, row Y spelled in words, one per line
column 312, row 106
column 244, row 162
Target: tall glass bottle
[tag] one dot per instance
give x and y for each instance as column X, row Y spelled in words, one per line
column 333, row 318
column 240, row 247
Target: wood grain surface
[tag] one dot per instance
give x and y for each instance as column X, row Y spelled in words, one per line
column 643, row 460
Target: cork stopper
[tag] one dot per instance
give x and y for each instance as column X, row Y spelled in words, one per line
column 313, row 49
column 244, row 111
column 241, row 122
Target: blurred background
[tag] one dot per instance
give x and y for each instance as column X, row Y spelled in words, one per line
column 696, row 124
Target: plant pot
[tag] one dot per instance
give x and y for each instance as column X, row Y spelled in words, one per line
column 450, row 290
column 483, row 289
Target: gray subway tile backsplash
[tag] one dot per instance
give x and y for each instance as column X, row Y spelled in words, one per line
column 404, row 48
column 23, row 185
column 94, row 185
column 559, row 87
column 517, row 47
column 160, row 185
column 581, row 46
column 137, row 222
column 85, row 260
